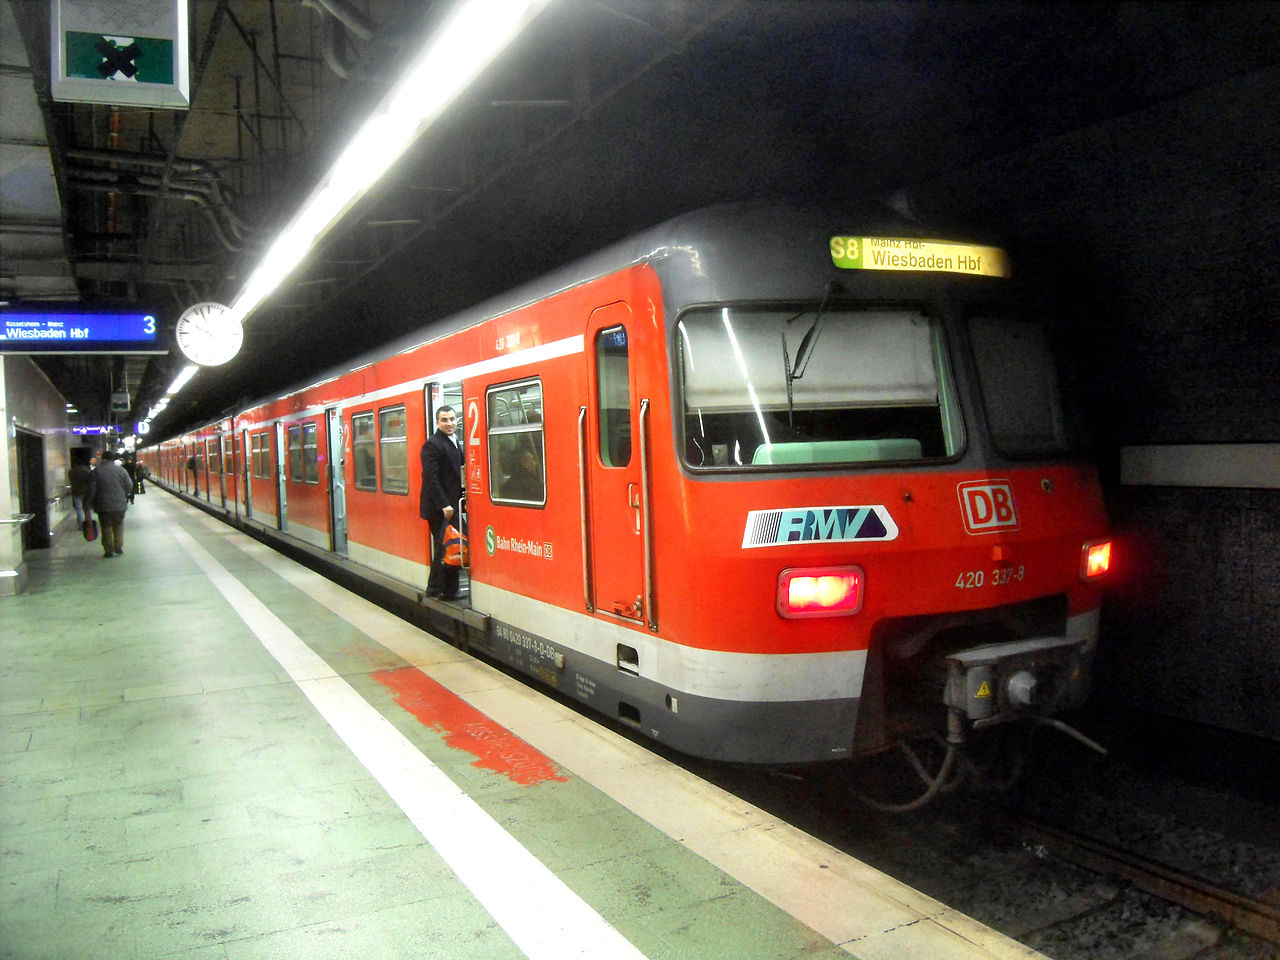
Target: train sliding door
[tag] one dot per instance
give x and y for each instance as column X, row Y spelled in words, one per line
column 337, row 481
column 282, row 490
column 248, row 466
column 616, row 484
column 436, row 395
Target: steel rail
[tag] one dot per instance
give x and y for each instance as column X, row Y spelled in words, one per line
column 1255, row 917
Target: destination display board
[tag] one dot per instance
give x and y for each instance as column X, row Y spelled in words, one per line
column 923, row 256
column 62, row 328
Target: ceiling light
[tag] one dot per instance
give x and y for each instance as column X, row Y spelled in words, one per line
column 472, row 36
column 189, row 371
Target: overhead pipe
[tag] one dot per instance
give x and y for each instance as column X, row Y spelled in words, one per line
column 350, row 17
column 199, row 168
column 210, row 194
column 138, row 189
column 336, row 46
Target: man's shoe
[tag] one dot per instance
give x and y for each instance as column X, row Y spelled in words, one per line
column 119, row 550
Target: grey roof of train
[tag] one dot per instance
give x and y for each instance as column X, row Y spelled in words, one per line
column 691, row 231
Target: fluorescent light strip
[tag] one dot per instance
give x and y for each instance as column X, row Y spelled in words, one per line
column 189, row 371
column 473, row 35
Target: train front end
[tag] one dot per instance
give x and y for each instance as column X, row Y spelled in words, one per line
column 884, row 490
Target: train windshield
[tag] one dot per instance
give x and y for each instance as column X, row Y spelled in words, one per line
column 768, row 388
column 1019, row 386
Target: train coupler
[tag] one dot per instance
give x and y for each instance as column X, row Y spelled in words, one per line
column 999, row 682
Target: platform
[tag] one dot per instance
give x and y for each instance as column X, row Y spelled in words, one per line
column 209, row 751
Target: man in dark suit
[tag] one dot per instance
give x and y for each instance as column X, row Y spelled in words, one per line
column 441, row 491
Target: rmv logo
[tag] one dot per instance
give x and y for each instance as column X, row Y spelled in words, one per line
column 987, row 506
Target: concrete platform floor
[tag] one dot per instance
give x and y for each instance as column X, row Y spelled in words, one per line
column 208, row 751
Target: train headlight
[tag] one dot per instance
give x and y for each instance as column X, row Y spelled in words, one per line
column 820, row 591
column 1095, row 559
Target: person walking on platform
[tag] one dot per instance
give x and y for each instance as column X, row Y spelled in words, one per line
column 81, row 470
column 109, row 493
column 441, row 490
column 131, row 468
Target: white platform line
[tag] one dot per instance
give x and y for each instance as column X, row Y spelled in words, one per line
column 544, row 918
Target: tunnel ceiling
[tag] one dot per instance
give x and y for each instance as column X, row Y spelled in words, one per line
column 608, row 116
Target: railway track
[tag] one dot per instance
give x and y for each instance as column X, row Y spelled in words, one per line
column 1256, row 917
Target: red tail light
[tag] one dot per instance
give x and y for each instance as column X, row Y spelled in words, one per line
column 820, row 592
column 1095, row 559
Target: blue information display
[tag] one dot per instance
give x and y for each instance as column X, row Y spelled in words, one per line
column 30, row 329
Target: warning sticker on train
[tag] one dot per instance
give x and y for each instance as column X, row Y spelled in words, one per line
column 925, row 256
column 794, row 525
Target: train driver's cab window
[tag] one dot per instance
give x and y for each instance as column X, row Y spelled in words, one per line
column 613, row 396
column 1019, row 386
column 295, row 454
column 364, row 445
column 786, row 387
column 393, row 449
column 310, row 453
column 517, row 454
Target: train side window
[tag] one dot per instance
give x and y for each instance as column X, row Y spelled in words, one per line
column 393, row 449
column 255, row 456
column 517, row 453
column 363, row 444
column 613, row 396
column 310, row 453
column 295, row 454
column 268, row 464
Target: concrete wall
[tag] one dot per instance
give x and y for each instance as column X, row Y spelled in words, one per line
column 29, row 402
column 1162, row 231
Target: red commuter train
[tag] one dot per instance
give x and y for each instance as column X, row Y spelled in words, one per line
column 799, row 486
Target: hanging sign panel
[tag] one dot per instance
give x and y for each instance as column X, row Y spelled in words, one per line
column 128, row 52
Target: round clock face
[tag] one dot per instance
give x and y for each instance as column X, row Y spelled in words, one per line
column 208, row 334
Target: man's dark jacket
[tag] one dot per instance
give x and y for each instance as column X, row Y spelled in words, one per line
column 441, row 478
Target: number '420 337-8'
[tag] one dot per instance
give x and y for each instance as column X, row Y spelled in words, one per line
column 996, row 577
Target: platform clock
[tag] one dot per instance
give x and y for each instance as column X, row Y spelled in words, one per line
column 208, row 334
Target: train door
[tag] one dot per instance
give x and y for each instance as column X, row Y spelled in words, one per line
column 282, row 491
column 206, row 455
column 249, row 462
column 237, row 474
column 220, row 443
column 436, row 395
column 337, row 481
column 616, row 523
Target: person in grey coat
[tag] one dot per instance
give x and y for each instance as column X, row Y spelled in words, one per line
column 108, row 494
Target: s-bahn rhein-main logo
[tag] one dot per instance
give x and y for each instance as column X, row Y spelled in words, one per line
column 987, row 506
column 770, row 528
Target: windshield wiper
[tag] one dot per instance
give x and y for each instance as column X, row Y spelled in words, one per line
column 810, row 338
column 807, row 343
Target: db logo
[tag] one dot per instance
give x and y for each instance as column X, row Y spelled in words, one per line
column 987, row 506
